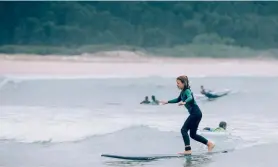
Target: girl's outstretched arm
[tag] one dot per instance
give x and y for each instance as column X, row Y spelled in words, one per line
column 176, row 100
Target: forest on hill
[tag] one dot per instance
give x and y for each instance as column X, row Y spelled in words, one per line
column 138, row 24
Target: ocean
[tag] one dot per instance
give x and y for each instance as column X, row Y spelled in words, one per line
column 71, row 121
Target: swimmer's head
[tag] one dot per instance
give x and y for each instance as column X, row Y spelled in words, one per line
column 223, row 125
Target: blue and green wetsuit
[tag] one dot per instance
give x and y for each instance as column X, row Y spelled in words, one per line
column 218, row 129
column 193, row 120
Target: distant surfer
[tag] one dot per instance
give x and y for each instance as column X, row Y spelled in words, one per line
column 210, row 95
column 146, row 101
column 221, row 128
column 154, row 101
column 186, row 99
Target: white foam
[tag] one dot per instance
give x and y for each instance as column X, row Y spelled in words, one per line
column 4, row 82
column 32, row 124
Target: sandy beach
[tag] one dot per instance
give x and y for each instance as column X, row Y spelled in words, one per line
column 130, row 64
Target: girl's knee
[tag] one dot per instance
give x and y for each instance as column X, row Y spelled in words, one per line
column 184, row 131
column 193, row 135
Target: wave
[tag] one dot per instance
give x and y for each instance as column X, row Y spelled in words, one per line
column 146, row 134
column 54, row 125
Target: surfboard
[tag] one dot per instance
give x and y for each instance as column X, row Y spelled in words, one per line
column 156, row 156
column 142, row 157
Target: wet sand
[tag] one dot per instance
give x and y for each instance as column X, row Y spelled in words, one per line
column 128, row 64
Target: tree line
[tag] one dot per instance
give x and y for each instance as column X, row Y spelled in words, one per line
column 140, row 24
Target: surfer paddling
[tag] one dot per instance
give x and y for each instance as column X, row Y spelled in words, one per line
column 195, row 115
column 210, row 95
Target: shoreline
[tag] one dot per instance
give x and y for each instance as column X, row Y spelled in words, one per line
column 126, row 57
column 123, row 63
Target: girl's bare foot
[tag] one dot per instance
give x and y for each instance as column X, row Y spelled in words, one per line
column 210, row 146
column 186, row 152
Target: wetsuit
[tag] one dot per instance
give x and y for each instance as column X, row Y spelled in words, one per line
column 155, row 102
column 193, row 120
column 211, row 96
column 145, row 102
column 208, row 94
column 219, row 129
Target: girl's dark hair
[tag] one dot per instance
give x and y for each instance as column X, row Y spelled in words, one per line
column 184, row 80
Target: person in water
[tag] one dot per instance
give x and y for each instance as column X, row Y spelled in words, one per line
column 146, row 101
column 186, row 99
column 209, row 94
column 154, row 100
column 221, row 128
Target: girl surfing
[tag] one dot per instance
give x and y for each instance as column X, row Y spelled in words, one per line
column 195, row 115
